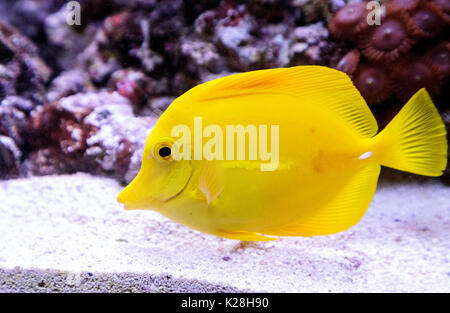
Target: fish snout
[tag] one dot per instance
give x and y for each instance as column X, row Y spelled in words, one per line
column 128, row 197
column 121, row 197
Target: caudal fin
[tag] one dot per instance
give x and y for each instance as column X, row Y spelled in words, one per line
column 415, row 140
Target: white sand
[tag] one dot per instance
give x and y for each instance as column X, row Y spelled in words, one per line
column 67, row 233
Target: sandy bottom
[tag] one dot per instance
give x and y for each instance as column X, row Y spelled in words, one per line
column 67, row 233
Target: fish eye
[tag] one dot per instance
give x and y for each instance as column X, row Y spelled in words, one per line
column 164, row 152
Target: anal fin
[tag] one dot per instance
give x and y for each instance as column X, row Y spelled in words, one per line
column 342, row 212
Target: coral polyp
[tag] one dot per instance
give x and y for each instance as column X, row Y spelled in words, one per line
column 427, row 20
column 387, row 41
column 409, row 44
column 411, row 75
column 444, row 5
column 349, row 62
column 349, row 21
column 404, row 4
column 439, row 57
column 373, row 83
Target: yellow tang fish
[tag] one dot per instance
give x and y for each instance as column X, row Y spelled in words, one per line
column 323, row 141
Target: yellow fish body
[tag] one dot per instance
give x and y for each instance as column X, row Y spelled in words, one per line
column 328, row 160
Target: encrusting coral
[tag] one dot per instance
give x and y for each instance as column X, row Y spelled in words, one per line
column 407, row 5
column 388, row 40
column 391, row 61
column 427, row 20
column 405, row 52
column 373, row 82
column 408, row 76
column 349, row 21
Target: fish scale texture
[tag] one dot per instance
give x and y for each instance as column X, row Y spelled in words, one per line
column 67, row 233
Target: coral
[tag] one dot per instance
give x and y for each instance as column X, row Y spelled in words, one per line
column 132, row 84
column 407, row 5
column 94, row 132
column 68, row 83
column 411, row 75
column 409, row 44
column 10, row 156
column 313, row 11
column 444, row 5
column 427, row 20
column 349, row 21
column 50, row 160
column 349, row 62
column 28, row 15
column 373, row 83
column 308, row 44
column 390, row 39
column 201, row 54
column 22, row 71
column 156, row 107
column 409, row 50
column 65, row 40
column 439, row 57
column 13, row 118
column 118, row 144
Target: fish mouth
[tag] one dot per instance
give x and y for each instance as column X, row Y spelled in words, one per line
column 148, row 203
column 141, row 205
column 128, row 206
column 121, row 199
column 131, row 200
column 133, row 197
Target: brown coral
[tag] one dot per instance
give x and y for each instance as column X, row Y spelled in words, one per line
column 427, row 20
column 387, row 41
column 397, row 43
column 349, row 21
column 411, row 75
column 439, row 57
column 51, row 124
column 444, row 5
column 373, row 83
column 404, row 4
column 349, row 62
column 399, row 58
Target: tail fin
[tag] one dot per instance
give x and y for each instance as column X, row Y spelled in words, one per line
column 415, row 140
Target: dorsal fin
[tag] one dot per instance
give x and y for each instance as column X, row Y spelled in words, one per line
column 311, row 85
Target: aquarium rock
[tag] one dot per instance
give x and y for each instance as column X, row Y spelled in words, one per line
column 22, row 71
column 10, row 156
column 96, row 132
column 149, row 52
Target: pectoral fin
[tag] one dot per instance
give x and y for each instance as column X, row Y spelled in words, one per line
column 209, row 181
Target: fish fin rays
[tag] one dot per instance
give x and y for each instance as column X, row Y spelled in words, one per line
column 209, row 182
column 344, row 211
column 313, row 85
column 415, row 140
